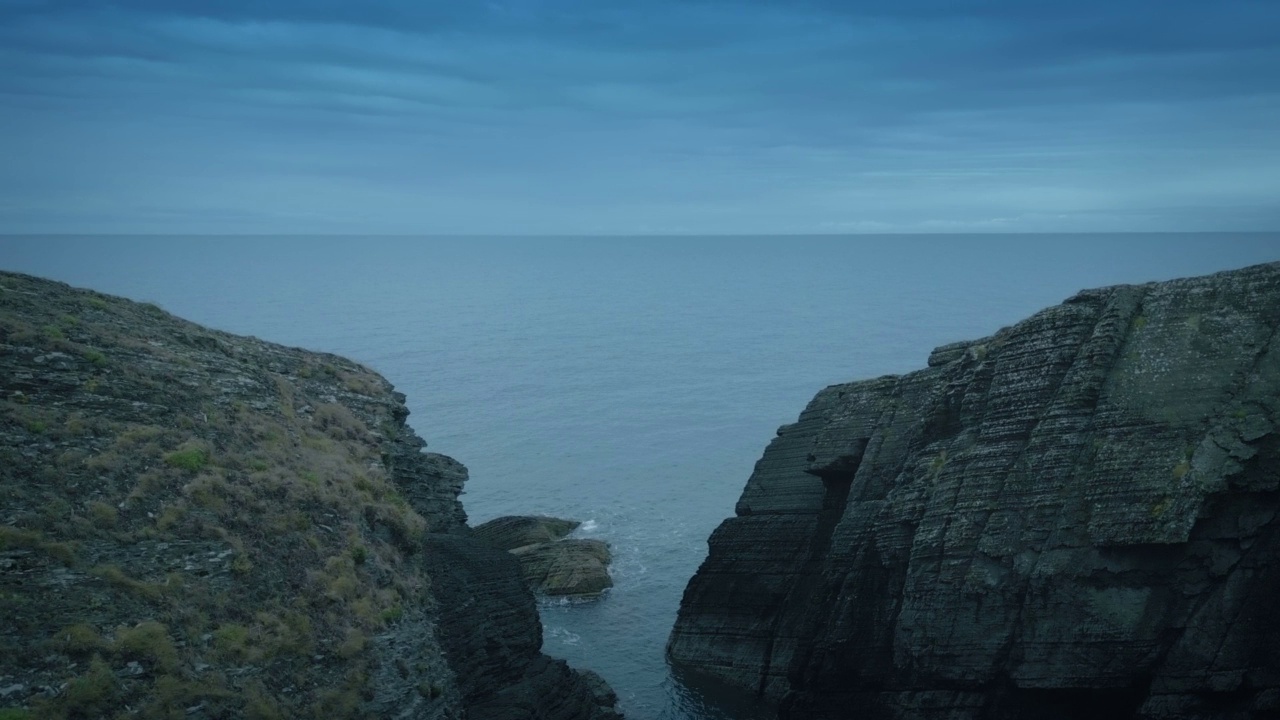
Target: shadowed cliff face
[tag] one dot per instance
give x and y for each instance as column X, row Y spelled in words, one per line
column 203, row 525
column 1075, row 517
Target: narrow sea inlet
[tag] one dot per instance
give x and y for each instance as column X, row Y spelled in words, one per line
column 629, row 384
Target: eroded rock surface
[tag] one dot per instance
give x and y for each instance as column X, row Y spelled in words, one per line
column 552, row 564
column 195, row 524
column 1074, row 517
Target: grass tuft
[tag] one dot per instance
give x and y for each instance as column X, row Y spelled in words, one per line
column 148, row 642
column 189, row 459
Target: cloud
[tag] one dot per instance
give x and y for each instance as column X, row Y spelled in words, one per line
column 607, row 116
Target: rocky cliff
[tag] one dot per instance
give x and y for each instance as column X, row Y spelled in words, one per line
column 1075, row 517
column 200, row 525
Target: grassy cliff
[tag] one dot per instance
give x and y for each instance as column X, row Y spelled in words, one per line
column 195, row 524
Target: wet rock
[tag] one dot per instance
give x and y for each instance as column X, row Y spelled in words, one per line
column 1078, row 515
column 492, row 636
column 551, row 564
column 572, row 568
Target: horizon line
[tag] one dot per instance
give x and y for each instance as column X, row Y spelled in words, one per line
column 585, row 236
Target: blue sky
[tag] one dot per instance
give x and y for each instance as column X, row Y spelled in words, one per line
column 603, row 116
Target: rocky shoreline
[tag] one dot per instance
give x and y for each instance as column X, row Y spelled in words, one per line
column 205, row 525
column 1078, row 516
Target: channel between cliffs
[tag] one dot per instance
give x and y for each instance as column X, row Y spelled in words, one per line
column 1075, row 517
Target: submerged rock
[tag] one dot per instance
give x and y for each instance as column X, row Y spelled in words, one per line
column 551, row 564
column 1078, row 516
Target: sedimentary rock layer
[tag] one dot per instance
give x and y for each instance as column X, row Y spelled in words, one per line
column 1076, row 516
column 552, row 564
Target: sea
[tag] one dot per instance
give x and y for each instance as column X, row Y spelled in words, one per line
column 629, row 383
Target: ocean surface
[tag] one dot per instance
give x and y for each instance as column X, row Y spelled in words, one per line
column 627, row 383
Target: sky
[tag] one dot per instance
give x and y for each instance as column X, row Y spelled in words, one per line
column 628, row 117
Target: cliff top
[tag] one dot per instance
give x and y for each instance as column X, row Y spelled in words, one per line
column 194, row 521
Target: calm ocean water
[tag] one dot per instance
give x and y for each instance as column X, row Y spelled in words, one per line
column 630, row 384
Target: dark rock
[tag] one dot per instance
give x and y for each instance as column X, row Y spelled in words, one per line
column 516, row 531
column 1075, row 517
column 492, row 636
column 603, row 693
column 551, row 565
column 573, row 568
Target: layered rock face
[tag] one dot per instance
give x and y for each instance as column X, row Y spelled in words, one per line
column 1074, row 517
column 195, row 524
column 551, row 563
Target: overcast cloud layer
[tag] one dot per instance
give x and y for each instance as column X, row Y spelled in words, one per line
column 604, row 116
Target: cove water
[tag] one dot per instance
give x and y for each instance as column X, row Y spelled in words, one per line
column 627, row 383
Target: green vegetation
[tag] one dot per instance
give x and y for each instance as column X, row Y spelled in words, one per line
column 102, row 514
column 78, row 640
column 189, row 459
column 241, row 565
column 359, row 554
column 96, row 357
column 63, row 552
column 260, row 706
column 339, row 423
column 391, row 614
column 148, row 642
column 352, row 645
column 121, row 581
column 232, row 641
column 279, row 529
column 12, row 537
column 92, row 695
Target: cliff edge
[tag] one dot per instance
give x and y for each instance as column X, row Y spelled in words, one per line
column 1075, row 517
column 199, row 525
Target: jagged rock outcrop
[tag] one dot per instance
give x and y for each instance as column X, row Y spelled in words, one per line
column 552, row 564
column 1075, row 517
column 195, row 524
column 492, row 629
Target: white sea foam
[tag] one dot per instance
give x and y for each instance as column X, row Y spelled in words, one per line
column 562, row 635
